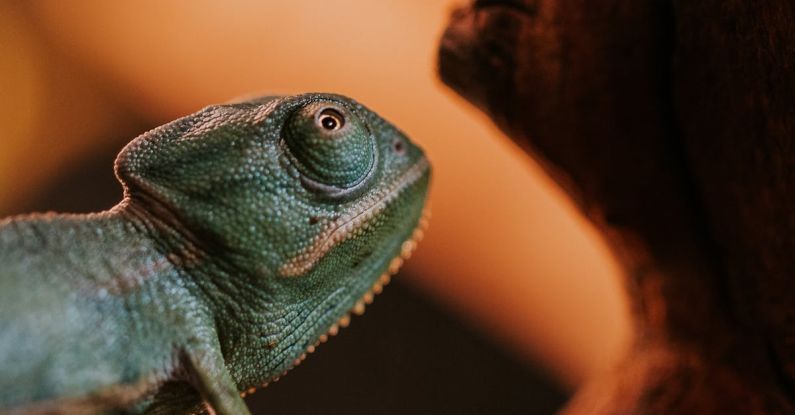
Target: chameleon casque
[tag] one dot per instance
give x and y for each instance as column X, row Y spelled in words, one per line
column 247, row 234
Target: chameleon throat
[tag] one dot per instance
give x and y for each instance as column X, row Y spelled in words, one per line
column 406, row 249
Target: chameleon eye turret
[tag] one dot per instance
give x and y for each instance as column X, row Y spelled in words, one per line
column 330, row 145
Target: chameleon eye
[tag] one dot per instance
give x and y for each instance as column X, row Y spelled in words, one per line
column 330, row 119
column 329, row 144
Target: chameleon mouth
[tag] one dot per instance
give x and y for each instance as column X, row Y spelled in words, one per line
column 406, row 250
column 338, row 230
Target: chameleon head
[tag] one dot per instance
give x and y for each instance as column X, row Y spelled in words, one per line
column 313, row 198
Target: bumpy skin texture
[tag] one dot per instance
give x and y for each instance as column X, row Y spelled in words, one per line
column 247, row 232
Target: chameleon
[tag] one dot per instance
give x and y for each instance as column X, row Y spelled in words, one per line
column 248, row 233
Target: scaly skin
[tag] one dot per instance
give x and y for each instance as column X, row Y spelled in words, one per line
column 248, row 231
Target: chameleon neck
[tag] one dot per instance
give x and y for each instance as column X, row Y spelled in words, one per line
column 141, row 252
column 66, row 246
column 74, row 274
column 120, row 253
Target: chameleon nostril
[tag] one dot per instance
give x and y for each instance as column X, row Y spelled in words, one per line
column 398, row 147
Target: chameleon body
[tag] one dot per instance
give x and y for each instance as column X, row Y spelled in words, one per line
column 247, row 234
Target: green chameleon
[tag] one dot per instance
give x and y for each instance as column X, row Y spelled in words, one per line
column 247, row 235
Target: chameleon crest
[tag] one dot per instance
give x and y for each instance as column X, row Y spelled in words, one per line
column 247, row 234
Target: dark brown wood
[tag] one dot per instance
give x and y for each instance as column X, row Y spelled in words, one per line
column 673, row 127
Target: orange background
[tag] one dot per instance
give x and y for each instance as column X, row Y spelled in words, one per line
column 505, row 250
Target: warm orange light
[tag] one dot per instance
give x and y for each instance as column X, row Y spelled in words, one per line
column 504, row 246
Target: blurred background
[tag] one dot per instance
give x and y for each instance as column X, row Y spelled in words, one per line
column 510, row 302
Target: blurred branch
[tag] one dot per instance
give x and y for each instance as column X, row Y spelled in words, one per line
column 672, row 127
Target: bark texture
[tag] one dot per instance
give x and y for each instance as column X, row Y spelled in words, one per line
column 672, row 124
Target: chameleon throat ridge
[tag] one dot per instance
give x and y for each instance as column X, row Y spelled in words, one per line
column 406, row 249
